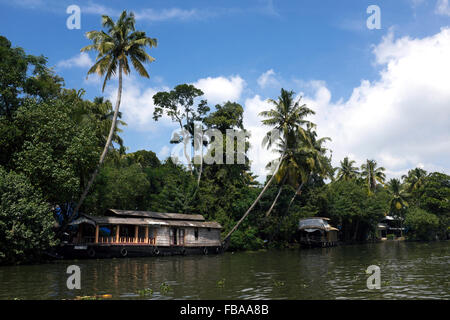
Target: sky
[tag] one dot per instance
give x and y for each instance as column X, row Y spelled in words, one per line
column 379, row 94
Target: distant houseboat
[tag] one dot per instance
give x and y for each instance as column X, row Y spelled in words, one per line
column 390, row 226
column 124, row 233
column 317, row 232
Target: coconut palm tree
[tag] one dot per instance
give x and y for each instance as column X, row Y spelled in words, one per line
column 415, row 179
column 309, row 158
column 116, row 47
column 372, row 174
column 347, row 170
column 398, row 202
column 312, row 160
column 286, row 118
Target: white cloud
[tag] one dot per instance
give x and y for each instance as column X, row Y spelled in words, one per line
column 164, row 153
column 443, row 7
column 267, row 79
column 137, row 105
column 95, row 8
column 416, row 3
column 167, row 14
column 403, row 119
column 81, row 60
column 137, row 100
column 221, row 89
column 258, row 155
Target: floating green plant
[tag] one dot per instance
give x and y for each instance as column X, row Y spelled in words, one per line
column 145, row 292
column 221, row 283
column 165, row 288
column 277, row 283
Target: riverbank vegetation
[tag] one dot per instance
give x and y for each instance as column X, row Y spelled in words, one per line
column 51, row 138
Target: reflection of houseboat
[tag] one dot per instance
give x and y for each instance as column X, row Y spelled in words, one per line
column 123, row 233
column 316, row 231
column 390, row 226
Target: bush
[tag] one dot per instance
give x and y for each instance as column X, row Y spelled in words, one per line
column 26, row 220
column 422, row 224
column 245, row 240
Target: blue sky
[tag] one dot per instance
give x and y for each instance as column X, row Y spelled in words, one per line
column 247, row 50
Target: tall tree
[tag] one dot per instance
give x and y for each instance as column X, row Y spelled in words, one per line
column 287, row 117
column 313, row 161
column 178, row 104
column 398, row 202
column 372, row 174
column 414, row 179
column 119, row 43
column 347, row 170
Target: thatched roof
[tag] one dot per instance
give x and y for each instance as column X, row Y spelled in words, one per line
column 314, row 223
column 156, row 215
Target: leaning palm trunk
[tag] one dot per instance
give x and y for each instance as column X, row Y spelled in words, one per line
column 298, row 191
column 276, row 198
column 227, row 238
column 105, row 150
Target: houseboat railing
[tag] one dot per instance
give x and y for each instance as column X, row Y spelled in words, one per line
column 113, row 240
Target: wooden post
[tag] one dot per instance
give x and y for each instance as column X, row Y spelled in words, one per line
column 136, row 233
column 96, row 233
column 146, row 234
column 117, row 233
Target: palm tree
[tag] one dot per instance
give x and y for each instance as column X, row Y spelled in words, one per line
column 286, row 118
column 119, row 43
column 372, row 174
column 301, row 163
column 347, row 170
column 313, row 160
column 398, row 202
column 415, row 179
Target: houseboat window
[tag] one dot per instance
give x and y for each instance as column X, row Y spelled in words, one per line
column 196, row 233
column 173, row 236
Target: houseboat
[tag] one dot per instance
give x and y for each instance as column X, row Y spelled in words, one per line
column 124, row 233
column 317, row 232
column 390, row 227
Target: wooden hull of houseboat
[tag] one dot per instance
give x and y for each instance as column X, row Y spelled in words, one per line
column 100, row 251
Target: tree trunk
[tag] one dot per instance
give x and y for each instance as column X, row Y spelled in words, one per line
column 188, row 159
column 276, row 198
column 299, row 189
column 226, row 239
column 201, row 161
column 105, row 150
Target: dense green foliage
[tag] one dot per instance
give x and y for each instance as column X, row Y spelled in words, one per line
column 23, row 75
column 422, row 223
column 26, row 220
column 50, row 141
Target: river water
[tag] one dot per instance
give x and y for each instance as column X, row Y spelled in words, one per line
column 408, row 271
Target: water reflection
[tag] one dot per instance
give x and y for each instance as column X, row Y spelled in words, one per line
column 408, row 271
